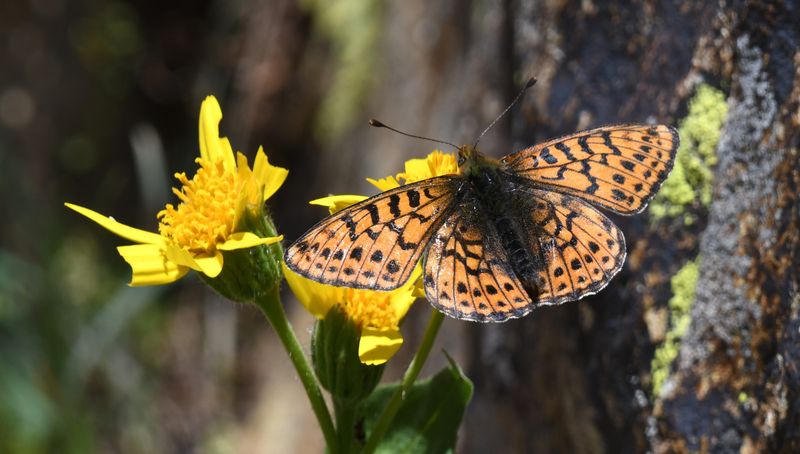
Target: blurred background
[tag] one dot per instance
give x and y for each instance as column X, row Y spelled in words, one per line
column 98, row 106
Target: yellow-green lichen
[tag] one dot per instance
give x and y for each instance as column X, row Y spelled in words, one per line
column 689, row 184
column 353, row 29
column 683, row 291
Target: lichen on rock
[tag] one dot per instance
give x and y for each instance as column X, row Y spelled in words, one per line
column 689, row 184
column 683, row 285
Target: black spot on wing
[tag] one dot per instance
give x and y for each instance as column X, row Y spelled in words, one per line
column 394, row 205
column 548, row 158
column 413, row 198
column 566, row 150
column 374, row 216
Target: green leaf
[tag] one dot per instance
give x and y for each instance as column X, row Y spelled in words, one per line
column 429, row 416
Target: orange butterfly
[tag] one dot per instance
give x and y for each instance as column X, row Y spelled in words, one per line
column 500, row 237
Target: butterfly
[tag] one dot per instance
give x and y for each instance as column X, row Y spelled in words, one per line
column 501, row 237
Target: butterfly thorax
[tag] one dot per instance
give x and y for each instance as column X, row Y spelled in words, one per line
column 472, row 162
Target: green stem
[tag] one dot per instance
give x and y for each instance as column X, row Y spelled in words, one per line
column 270, row 304
column 345, row 422
column 408, row 381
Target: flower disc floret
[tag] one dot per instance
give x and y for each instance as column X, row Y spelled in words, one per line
column 370, row 310
column 207, row 212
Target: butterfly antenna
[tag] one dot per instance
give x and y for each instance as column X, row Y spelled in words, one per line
column 378, row 124
column 531, row 82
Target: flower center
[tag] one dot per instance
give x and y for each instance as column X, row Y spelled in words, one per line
column 366, row 308
column 207, row 210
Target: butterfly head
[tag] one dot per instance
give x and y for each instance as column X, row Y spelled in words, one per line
column 466, row 153
column 470, row 160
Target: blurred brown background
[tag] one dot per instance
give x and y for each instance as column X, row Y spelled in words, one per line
column 98, row 106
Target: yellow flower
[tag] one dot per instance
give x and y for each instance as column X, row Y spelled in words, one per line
column 194, row 234
column 435, row 164
column 377, row 314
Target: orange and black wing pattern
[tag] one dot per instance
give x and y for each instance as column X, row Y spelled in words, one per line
column 467, row 271
column 619, row 168
column 576, row 249
column 376, row 243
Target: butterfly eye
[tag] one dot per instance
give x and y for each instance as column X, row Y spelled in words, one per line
column 461, row 159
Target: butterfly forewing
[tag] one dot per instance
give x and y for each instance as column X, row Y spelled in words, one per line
column 374, row 244
column 467, row 272
column 619, row 168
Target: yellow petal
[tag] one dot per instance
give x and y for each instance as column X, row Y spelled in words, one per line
column 228, row 158
column 251, row 190
column 150, row 266
column 242, row 167
column 315, row 297
column 435, row 164
column 127, row 232
column 244, row 240
column 212, row 147
column 377, row 346
column 419, row 290
column 271, row 177
column 180, row 256
column 384, row 184
column 417, row 169
column 210, row 266
column 404, row 297
column 336, row 203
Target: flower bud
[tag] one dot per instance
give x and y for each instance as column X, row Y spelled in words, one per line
column 334, row 352
column 250, row 273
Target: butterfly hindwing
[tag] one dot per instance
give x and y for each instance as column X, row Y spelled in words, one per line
column 577, row 248
column 619, row 168
column 375, row 243
column 570, row 250
column 467, row 272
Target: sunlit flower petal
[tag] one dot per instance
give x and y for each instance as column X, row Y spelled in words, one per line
column 244, row 240
column 150, row 266
column 384, row 184
column 434, row 165
column 210, row 266
column 270, row 177
column 117, row 228
column 181, row 256
column 336, row 203
column 213, row 147
column 377, row 346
